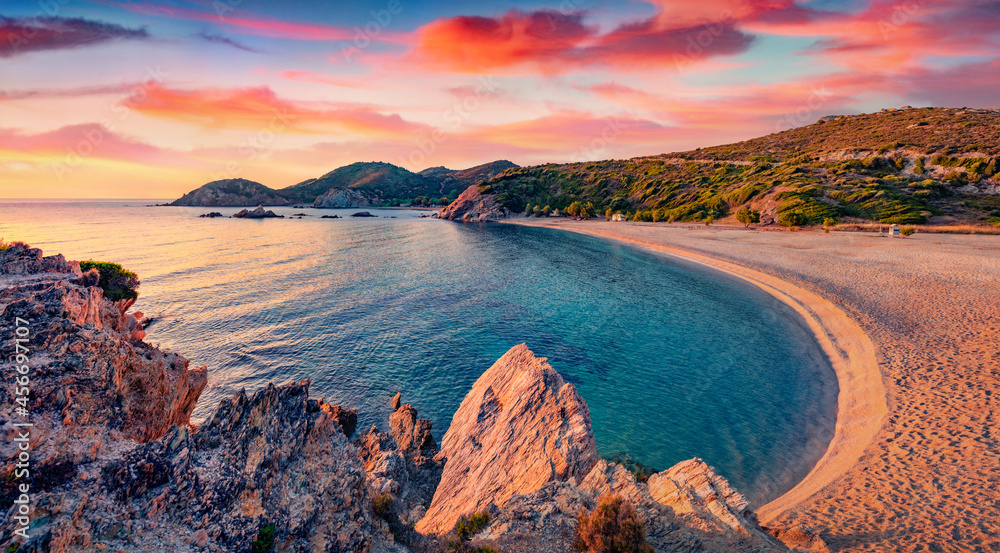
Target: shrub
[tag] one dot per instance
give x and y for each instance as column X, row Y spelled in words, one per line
column 748, row 216
column 117, row 283
column 907, row 231
column 382, row 505
column 468, row 526
column 611, row 528
column 265, row 539
column 792, row 219
column 709, row 220
column 829, row 222
column 4, row 246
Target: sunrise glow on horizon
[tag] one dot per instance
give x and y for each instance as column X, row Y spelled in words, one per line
column 132, row 99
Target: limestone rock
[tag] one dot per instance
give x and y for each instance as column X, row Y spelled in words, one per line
column 519, row 428
column 704, row 498
column 88, row 367
column 21, row 259
column 409, row 432
column 471, row 206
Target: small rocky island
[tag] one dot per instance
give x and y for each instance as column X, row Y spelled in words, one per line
column 116, row 465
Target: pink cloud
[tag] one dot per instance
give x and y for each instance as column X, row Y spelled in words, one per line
column 552, row 42
column 259, row 108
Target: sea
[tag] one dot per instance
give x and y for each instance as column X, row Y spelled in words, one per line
column 675, row 360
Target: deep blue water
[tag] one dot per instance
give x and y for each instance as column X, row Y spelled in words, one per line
column 674, row 360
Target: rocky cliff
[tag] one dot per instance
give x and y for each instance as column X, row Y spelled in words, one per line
column 341, row 198
column 473, row 206
column 116, row 465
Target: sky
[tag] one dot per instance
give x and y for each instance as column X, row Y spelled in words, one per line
column 151, row 99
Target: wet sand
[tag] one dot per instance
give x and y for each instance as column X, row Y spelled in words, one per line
column 911, row 327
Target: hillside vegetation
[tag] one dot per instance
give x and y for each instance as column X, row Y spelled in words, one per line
column 905, row 166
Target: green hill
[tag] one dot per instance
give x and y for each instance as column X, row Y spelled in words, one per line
column 896, row 166
column 233, row 192
column 379, row 181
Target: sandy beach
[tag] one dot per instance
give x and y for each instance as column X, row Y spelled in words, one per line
column 910, row 328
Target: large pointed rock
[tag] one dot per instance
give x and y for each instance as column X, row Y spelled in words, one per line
column 519, row 428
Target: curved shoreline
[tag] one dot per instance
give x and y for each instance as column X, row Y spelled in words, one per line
column 862, row 398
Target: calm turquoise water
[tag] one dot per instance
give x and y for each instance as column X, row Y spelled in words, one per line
column 674, row 361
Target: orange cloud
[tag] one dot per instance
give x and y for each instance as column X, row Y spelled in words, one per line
column 554, row 42
column 260, row 109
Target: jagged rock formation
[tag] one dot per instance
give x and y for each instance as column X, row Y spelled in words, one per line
column 404, row 462
column 472, row 206
column 341, row 198
column 233, row 192
column 547, row 519
column 692, row 488
column 272, row 457
column 87, row 367
column 519, row 428
column 114, row 464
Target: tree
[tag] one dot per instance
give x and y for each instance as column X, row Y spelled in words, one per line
column 546, row 210
column 608, row 214
column 709, row 220
column 537, row 211
column 748, row 216
column 117, row 283
column 529, row 209
column 574, row 209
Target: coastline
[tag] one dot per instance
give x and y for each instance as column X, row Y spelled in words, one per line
column 862, row 398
